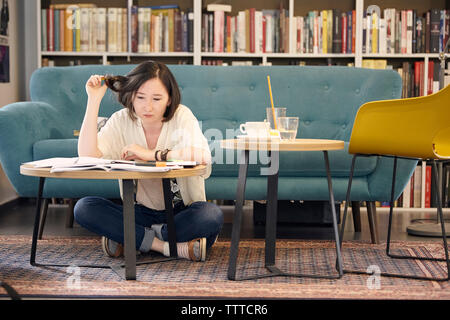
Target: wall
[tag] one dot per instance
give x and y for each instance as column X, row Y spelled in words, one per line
column 10, row 92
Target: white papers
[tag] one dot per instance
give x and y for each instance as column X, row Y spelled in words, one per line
column 114, row 166
column 91, row 163
column 68, row 162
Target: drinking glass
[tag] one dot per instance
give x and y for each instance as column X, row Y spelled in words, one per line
column 288, row 127
column 279, row 112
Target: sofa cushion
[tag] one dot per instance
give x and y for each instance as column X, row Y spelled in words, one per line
column 50, row 148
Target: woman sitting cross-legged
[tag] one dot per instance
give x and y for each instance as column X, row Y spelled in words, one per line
column 152, row 126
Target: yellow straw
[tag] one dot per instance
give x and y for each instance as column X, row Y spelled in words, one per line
column 271, row 101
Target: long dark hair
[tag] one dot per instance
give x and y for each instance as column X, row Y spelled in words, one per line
column 127, row 86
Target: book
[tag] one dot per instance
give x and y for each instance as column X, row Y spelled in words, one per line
column 59, row 164
column 417, row 187
column 407, row 195
column 435, row 30
column 218, row 7
column 101, row 27
column 44, row 42
column 428, row 187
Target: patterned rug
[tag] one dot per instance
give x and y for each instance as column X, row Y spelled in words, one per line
column 185, row 279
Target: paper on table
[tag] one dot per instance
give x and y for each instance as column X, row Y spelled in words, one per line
column 68, row 162
column 114, row 167
column 91, row 163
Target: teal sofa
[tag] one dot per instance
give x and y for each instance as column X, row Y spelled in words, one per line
column 325, row 98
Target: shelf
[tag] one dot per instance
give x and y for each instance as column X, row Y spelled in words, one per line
column 401, row 209
column 295, row 9
column 116, row 54
column 157, row 54
column 311, row 55
column 401, row 55
column 275, row 55
column 71, row 54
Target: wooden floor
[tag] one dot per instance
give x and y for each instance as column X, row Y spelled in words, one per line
column 17, row 218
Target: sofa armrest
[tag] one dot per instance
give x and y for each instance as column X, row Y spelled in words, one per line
column 21, row 125
column 380, row 180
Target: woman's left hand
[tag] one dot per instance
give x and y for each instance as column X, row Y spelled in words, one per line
column 134, row 151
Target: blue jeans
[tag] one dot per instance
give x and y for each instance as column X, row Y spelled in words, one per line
column 104, row 217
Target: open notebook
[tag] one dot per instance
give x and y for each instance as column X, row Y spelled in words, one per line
column 90, row 163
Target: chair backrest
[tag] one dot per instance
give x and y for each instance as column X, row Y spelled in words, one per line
column 414, row 127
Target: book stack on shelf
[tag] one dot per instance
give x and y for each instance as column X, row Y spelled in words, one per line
column 250, row 31
column 161, row 29
column 405, row 32
column 219, row 62
column 266, row 31
column 413, row 76
column 84, row 28
column 326, row 31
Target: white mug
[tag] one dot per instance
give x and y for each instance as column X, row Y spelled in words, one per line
column 255, row 129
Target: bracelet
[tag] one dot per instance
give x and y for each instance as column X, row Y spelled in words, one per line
column 156, row 154
column 164, row 154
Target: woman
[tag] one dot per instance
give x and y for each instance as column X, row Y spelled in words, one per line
column 152, row 126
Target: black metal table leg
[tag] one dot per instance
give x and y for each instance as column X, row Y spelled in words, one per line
column 36, row 233
column 237, row 219
column 334, row 217
column 36, row 222
column 271, row 211
column 129, row 229
column 128, row 270
column 10, row 291
column 271, row 223
column 168, row 199
column 130, row 232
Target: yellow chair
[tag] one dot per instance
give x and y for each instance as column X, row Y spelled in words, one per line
column 413, row 128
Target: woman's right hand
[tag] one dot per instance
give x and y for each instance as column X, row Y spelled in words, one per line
column 94, row 87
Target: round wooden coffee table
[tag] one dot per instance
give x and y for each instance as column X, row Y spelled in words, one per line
column 127, row 178
column 274, row 146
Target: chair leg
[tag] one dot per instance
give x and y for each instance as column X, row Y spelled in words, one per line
column 373, row 223
column 69, row 216
column 371, row 206
column 356, row 213
column 43, row 217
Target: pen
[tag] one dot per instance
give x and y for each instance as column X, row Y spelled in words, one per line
column 150, row 163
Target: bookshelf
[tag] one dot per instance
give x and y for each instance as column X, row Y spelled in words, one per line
column 296, row 8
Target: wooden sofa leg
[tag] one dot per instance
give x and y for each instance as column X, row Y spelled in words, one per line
column 43, row 217
column 356, row 213
column 373, row 223
column 69, row 217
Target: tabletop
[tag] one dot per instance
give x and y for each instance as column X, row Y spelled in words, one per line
column 30, row 170
column 283, row 145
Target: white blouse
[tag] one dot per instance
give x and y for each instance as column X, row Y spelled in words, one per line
column 182, row 131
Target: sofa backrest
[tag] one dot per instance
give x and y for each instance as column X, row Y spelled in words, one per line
column 325, row 98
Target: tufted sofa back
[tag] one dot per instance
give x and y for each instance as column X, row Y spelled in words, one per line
column 325, row 98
